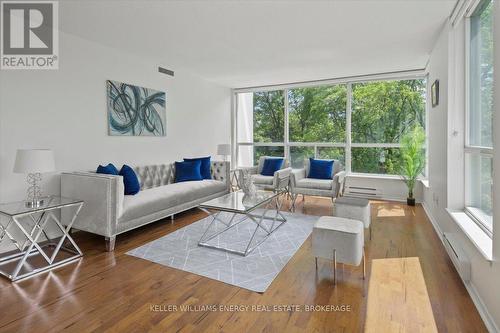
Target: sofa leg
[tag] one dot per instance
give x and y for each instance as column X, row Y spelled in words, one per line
column 110, row 243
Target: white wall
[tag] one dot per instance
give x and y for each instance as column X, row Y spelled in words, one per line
column 435, row 197
column 65, row 110
column 446, row 166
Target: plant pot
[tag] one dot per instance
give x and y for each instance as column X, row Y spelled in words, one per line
column 410, row 201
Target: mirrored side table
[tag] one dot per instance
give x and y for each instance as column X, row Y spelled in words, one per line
column 35, row 239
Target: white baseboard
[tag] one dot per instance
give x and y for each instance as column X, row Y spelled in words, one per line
column 437, row 229
column 481, row 308
column 488, row 320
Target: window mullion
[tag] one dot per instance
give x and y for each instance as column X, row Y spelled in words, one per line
column 376, row 145
column 286, row 127
column 348, row 129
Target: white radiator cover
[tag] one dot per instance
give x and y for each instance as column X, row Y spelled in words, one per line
column 379, row 187
column 457, row 256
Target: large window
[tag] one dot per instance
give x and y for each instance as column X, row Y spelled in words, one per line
column 268, row 116
column 376, row 160
column 317, row 118
column 381, row 113
column 479, row 143
column 359, row 124
column 317, row 114
column 260, row 126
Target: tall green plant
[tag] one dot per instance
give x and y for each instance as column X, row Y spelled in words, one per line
column 412, row 157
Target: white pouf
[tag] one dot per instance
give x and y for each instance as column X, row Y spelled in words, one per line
column 340, row 240
column 354, row 208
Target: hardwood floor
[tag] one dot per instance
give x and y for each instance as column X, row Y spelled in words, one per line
column 117, row 292
column 397, row 297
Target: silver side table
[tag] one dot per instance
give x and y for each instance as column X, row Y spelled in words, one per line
column 38, row 239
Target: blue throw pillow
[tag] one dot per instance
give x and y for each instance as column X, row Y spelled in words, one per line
column 187, row 171
column 271, row 165
column 109, row 169
column 320, row 169
column 130, row 180
column 205, row 166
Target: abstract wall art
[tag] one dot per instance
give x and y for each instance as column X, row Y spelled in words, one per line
column 135, row 111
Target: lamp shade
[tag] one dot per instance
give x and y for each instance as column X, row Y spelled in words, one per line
column 34, row 160
column 224, row 149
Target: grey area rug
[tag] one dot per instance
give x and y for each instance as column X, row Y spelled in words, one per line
column 255, row 272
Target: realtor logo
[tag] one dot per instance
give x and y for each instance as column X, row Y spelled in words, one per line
column 29, row 35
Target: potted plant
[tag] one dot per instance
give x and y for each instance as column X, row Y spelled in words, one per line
column 412, row 159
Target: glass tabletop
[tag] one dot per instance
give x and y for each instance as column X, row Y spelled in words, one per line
column 239, row 202
column 49, row 202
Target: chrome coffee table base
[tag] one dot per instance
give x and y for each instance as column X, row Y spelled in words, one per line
column 277, row 221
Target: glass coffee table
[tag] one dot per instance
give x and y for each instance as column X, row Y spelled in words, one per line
column 242, row 208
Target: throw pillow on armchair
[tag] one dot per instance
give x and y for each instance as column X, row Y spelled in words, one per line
column 271, row 165
column 320, row 169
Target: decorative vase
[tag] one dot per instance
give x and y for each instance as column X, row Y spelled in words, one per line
column 410, row 201
column 248, row 186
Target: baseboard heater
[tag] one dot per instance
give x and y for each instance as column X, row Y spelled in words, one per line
column 457, row 255
column 362, row 192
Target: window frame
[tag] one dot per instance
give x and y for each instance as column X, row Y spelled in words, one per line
column 347, row 145
column 474, row 213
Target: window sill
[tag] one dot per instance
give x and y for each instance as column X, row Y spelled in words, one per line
column 373, row 175
column 481, row 240
column 424, row 181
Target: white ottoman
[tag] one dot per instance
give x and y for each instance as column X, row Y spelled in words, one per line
column 339, row 239
column 354, row 208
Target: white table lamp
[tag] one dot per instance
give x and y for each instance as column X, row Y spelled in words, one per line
column 224, row 149
column 34, row 162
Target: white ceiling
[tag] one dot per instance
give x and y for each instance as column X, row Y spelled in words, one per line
column 252, row 43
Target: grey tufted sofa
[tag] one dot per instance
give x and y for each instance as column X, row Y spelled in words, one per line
column 108, row 212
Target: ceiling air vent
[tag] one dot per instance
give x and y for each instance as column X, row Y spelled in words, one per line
column 165, row 71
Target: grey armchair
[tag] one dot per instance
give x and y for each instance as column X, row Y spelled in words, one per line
column 331, row 188
column 278, row 182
